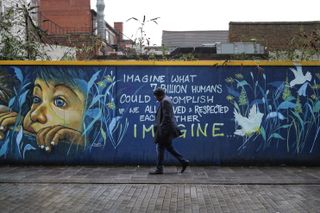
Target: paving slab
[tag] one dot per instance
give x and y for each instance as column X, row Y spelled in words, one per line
column 140, row 175
column 132, row 189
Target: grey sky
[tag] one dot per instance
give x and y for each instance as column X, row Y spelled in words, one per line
column 178, row 15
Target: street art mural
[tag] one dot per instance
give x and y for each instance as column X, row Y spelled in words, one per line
column 105, row 114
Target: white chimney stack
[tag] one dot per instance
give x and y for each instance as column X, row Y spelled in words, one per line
column 100, row 19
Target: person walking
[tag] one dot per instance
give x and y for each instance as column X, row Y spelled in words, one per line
column 165, row 131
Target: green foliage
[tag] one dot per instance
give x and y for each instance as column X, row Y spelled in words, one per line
column 164, row 52
column 308, row 44
column 19, row 36
column 187, row 57
column 302, row 46
column 142, row 40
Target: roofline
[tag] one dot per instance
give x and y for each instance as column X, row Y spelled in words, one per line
column 160, row 63
column 275, row 23
column 195, row 31
column 111, row 28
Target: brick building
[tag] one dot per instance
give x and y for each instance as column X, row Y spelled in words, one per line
column 74, row 23
column 67, row 15
column 273, row 35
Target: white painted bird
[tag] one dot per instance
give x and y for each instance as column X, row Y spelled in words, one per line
column 249, row 125
column 299, row 78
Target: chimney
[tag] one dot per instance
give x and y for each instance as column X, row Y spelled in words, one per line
column 118, row 27
column 100, row 19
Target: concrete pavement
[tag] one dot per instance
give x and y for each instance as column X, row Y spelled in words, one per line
column 132, row 189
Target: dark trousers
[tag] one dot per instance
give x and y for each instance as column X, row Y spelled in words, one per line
column 160, row 152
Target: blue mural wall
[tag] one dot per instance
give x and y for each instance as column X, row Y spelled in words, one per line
column 105, row 114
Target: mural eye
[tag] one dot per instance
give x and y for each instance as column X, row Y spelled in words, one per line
column 36, row 100
column 59, row 102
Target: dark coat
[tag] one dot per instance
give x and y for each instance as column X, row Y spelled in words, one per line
column 165, row 124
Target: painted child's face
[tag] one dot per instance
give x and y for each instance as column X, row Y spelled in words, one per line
column 55, row 104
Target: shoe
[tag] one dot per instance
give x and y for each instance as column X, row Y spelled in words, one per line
column 156, row 172
column 184, row 166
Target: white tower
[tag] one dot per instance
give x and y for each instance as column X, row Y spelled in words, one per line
column 100, row 19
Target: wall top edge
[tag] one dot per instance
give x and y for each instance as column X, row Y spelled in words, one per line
column 162, row 63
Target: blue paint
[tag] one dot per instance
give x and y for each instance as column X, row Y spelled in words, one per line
column 228, row 115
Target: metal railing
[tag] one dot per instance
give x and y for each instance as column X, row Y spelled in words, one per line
column 53, row 28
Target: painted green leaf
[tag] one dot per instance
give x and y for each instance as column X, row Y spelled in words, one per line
column 316, row 107
column 285, row 126
column 242, row 83
column 18, row 74
column 286, row 105
column 22, row 98
column 299, row 119
column 11, row 102
column 113, row 123
column 92, row 80
column 236, row 106
column 290, row 98
column 19, row 138
column 263, row 133
column 309, row 107
column 4, row 148
column 277, row 136
column 103, row 134
column 95, row 100
column 28, row 147
column 98, row 116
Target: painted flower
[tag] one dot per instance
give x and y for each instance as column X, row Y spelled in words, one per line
column 111, row 105
column 101, row 84
column 248, row 125
column 239, row 76
column 108, row 78
column 230, row 80
column 230, row 98
column 316, row 86
column 314, row 97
